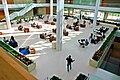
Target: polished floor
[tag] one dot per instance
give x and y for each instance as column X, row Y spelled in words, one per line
column 51, row 62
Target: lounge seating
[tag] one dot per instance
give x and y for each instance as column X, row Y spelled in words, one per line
column 24, row 50
column 83, row 42
column 52, row 23
column 65, row 33
column 32, row 51
column 20, row 27
column 52, row 38
column 39, row 26
column 54, row 30
column 68, row 26
column 43, row 36
column 0, row 33
column 76, row 28
column 26, row 30
column 82, row 25
column 13, row 44
column 46, row 21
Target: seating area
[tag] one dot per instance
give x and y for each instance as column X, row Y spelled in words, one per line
column 41, row 40
column 83, row 42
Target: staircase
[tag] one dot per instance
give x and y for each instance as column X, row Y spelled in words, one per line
column 27, row 8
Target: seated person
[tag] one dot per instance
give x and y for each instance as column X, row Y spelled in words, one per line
column 13, row 42
column 41, row 16
column 94, row 40
column 81, row 42
column 54, row 19
column 91, row 35
column 5, row 40
column 66, row 17
column 86, row 42
column 20, row 28
column 25, row 50
column 43, row 36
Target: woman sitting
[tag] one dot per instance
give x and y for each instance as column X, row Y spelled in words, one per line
column 13, row 42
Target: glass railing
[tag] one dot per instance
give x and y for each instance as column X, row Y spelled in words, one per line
column 105, row 47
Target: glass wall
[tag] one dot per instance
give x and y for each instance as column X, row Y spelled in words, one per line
column 84, row 2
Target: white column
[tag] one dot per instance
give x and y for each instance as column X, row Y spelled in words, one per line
column 96, row 13
column 60, row 11
column 4, row 2
column 51, row 9
column 80, row 14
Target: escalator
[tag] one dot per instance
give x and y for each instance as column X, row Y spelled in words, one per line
column 27, row 8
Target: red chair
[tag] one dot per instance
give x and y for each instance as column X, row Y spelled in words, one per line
column 0, row 33
column 26, row 30
column 39, row 26
column 65, row 33
column 52, row 23
column 46, row 21
column 76, row 28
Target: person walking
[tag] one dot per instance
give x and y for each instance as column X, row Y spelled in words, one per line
column 69, row 61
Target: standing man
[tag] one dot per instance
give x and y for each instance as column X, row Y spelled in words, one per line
column 69, row 61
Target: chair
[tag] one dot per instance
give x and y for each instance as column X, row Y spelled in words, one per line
column 32, row 51
column 39, row 26
column 0, row 33
column 54, row 30
column 76, row 28
column 52, row 38
column 26, row 30
column 52, row 23
column 65, row 33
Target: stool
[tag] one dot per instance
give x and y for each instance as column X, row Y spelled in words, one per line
column 26, row 30
column 32, row 51
column 0, row 33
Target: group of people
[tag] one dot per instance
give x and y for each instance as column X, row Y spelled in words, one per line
column 24, row 50
column 12, row 42
column 93, row 39
column 83, row 42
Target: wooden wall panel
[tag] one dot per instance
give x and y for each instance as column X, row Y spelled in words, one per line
column 2, row 14
column 48, row 10
column 8, row 1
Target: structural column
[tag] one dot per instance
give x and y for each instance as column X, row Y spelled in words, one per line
column 96, row 13
column 80, row 14
column 105, row 15
column 51, row 8
column 60, row 11
column 69, row 11
column 4, row 2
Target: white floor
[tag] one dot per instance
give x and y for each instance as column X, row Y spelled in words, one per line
column 50, row 62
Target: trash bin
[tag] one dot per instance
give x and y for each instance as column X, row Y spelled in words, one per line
column 54, row 44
